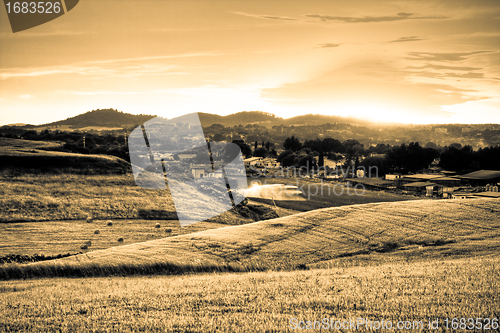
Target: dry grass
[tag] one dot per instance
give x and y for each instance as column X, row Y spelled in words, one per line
column 73, row 197
column 254, row 302
column 331, row 237
column 49, row 197
column 61, row 237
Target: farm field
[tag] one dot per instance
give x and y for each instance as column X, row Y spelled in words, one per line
column 332, row 194
column 52, row 238
column 327, row 238
column 258, row 301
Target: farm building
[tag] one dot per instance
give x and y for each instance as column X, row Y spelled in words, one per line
column 447, row 181
column 488, row 194
column 373, row 183
column 426, row 188
column 420, row 177
column 481, row 177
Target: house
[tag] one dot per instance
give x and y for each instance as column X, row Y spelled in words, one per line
column 198, row 172
column 255, row 161
column 392, row 176
column 270, row 163
column 215, row 174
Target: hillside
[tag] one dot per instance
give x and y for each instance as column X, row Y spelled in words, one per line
column 102, row 118
column 321, row 238
column 17, row 155
column 269, row 119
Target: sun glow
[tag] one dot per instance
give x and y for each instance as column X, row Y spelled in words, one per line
column 377, row 112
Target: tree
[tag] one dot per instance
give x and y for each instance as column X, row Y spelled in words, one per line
column 292, row 144
column 410, row 158
column 245, row 149
column 261, row 152
column 321, row 159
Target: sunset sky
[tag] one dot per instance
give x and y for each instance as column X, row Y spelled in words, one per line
column 388, row 61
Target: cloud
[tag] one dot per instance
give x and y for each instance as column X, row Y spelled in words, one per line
column 367, row 19
column 265, row 17
column 102, row 92
column 459, row 56
column 328, row 45
column 406, row 39
column 26, row 96
column 127, row 67
column 453, row 68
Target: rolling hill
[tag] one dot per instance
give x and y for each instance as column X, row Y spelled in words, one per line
column 17, row 155
column 102, row 118
column 322, row 238
column 111, row 118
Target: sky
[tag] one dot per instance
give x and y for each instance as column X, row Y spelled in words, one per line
column 412, row 61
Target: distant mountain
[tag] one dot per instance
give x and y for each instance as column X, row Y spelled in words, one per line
column 239, row 118
column 268, row 119
column 318, row 119
column 103, row 118
column 115, row 118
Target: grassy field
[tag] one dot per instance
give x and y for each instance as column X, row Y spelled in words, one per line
column 324, row 238
column 62, row 237
column 32, row 197
column 257, row 302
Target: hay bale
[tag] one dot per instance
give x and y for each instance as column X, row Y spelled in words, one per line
column 157, row 225
column 109, row 223
column 120, row 239
column 88, row 243
column 97, row 232
column 168, row 230
column 84, row 247
column 89, row 219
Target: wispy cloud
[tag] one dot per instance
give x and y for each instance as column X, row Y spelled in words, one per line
column 126, row 67
column 458, row 56
column 101, row 92
column 328, row 45
column 266, row 17
column 453, row 68
column 367, row 19
column 406, row 39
